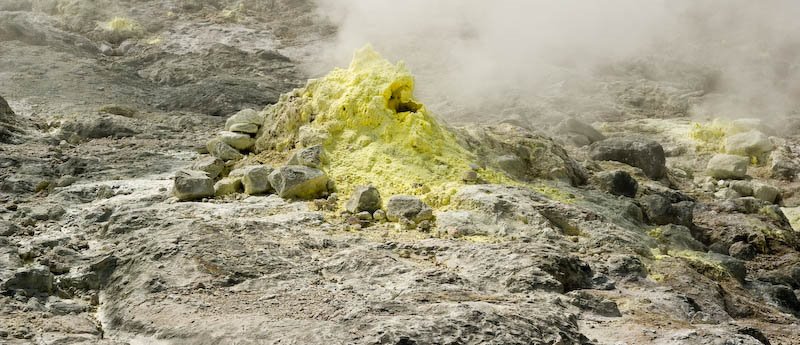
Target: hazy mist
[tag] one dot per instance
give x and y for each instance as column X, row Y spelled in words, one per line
column 480, row 54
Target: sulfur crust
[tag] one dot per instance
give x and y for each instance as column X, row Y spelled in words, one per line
column 374, row 132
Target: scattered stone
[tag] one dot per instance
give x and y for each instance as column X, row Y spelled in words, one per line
column 248, row 128
column 617, row 182
column 227, row 186
column 575, row 126
column 364, row 198
column 239, row 141
column 742, row 251
column 312, row 157
column 223, row 151
column 765, row 192
column 211, row 165
column 299, row 182
column 752, row 143
column 724, row 166
column 255, row 179
column 408, row 208
column 192, row 185
column 644, row 154
column 244, row 117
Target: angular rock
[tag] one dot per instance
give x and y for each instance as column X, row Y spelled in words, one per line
column 313, row 157
column 678, row 237
column 725, row 166
column 742, row 250
column 239, row 141
column 406, row 207
column 32, row 280
column 765, row 192
column 364, row 198
column 244, row 117
column 782, row 165
column 617, row 182
column 644, row 154
column 213, row 166
column 255, row 179
column 248, row 128
column 752, row 143
column 660, row 211
column 223, row 151
column 8, row 228
column 227, row 186
column 192, row 185
column 299, row 182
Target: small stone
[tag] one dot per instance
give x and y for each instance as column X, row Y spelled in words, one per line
column 213, row 166
column 752, row 143
column 255, row 179
column 365, row 215
column 742, row 251
column 299, row 182
column 313, row 157
column 239, row 141
column 364, row 198
column 248, row 128
column 765, row 192
column 227, row 186
column 744, row 188
column 470, row 176
column 223, row 151
column 406, row 207
column 724, row 166
column 379, row 215
column 245, row 116
column 575, row 126
column 192, row 185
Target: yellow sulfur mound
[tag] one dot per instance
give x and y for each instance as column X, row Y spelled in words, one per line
column 373, row 131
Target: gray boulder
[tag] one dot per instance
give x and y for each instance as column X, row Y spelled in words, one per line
column 313, row 157
column 617, row 182
column 227, row 186
column 299, row 182
column 192, row 185
column 725, row 166
column 364, row 198
column 408, row 208
column 660, row 211
column 32, row 280
column 783, row 165
column 217, row 148
column 244, row 117
column 765, row 192
column 752, row 143
column 213, row 166
column 248, row 128
column 574, row 126
column 255, row 179
column 239, row 141
column 644, row 154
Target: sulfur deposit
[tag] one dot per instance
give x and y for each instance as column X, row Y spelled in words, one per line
column 372, row 129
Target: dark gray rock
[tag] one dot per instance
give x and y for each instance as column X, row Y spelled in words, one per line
column 8, row 228
column 742, row 250
column 617, row 182
column 364, row 198
column 574, row 126
column 409, row 208
column 213, row 166
column 644, row 154
column 660, row 211
column 313, row 157
column 32, row 280
column 585, row 300
column 299, row 182
column 735, row 267
column 192, row 185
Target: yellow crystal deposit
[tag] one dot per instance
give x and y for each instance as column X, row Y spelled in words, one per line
column 373, row 131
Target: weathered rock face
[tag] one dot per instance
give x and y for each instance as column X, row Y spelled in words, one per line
column 522, row 154
column 227, row 186
column 8, row 123
column 299, row 182
column 364, row 198
column 213, row 166
column 312, row 157
column 583, row 132
column 644, row 154
column 255, row 179
column 617, row 182
column 192, row 185
column 723, row 166
column 223, row 151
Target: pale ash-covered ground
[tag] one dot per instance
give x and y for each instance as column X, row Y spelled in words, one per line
column 94, row 249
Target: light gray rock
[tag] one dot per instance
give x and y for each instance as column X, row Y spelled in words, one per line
column 239, row 141
column 299, row 182
column 248, row 128
column 313, row 157
column 192, row 185
column 575, row 126
column 752, row 143
column 743, row 188
column 765, row 192
column 213, row 166
column 725, row 166
column 364, row 198
column 246, row 117
column 223, row 151
column 644, row 154
column 783, row 165
column 36, row 279
column 255, row 179
column 227, row 186
column 407, row 207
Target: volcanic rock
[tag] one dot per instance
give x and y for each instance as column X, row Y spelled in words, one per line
column 644, row 154
column 724, row 166
column 299, row 182
column 192, row 185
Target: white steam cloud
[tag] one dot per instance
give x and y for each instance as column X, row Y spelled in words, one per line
column 476, row 54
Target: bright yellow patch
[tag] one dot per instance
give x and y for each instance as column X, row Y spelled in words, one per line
column 374, row 132
column 122, row 24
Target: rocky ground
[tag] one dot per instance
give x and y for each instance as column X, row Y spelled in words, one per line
column 652, row 236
